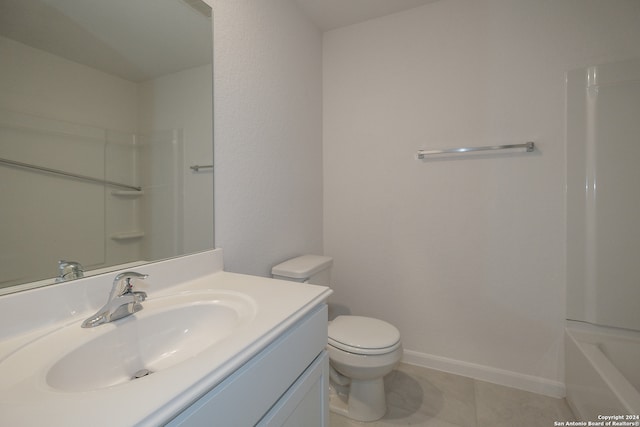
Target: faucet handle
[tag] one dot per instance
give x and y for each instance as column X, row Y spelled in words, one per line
column 68, row 270
column 122, row 283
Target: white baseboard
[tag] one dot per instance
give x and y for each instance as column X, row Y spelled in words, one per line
column 486, row 373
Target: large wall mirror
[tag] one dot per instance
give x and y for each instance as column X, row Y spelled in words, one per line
column 105, row 109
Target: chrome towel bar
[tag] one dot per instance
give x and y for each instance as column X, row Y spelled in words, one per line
column 527, row 147
column 196, row 168
column 69, row 174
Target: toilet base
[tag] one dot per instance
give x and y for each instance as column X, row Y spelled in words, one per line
column 338, row 402
column 365, row 400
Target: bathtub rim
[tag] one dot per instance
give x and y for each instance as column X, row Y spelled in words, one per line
column 586, row 337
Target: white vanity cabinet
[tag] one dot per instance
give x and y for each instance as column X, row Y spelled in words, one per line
column 285, row 384
column 268, row 367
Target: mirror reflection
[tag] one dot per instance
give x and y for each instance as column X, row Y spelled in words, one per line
column 105, row 108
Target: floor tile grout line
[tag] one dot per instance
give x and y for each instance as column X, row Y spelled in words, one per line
column 475, row 402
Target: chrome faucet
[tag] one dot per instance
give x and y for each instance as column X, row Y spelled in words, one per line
column 68, row 270
column 123, row 300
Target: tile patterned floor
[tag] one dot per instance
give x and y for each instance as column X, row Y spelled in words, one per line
column 424, row 397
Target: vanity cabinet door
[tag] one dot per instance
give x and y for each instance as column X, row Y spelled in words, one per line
column 306, row 402
column 262, row 383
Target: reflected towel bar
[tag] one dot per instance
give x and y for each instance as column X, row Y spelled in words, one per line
column 196, row 168
column 528, row 147
column 72, row 175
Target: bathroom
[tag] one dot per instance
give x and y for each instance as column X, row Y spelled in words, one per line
column 315, row 139
column 466, row 257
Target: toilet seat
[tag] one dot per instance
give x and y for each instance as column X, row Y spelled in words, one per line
column 363, row 335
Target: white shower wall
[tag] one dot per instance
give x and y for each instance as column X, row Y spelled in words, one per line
column 465, row 257
column 603, row 245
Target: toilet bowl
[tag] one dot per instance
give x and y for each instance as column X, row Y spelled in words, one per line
column 362, row 350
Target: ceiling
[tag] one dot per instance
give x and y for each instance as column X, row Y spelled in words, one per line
column 137, row 47
column 136, row 40
column 331, row 14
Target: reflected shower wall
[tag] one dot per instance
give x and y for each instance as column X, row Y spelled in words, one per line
column 61, row 211
column 603, row 194
column 144, row 225
column 123, row 221
column 98, row 225
column 161, row 163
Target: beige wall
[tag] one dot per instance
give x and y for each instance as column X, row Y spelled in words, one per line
column 64, row 90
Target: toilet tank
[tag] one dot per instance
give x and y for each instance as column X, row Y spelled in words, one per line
column 314, row 269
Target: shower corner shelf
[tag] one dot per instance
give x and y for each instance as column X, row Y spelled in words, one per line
column 127, row 193
column 128, row 235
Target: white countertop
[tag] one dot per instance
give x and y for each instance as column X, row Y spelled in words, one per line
column 27, row 399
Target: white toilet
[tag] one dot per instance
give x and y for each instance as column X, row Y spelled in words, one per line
column 362, row 350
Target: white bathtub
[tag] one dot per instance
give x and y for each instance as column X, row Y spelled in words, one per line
column 602, row 370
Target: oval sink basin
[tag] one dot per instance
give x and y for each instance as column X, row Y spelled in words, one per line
column 169, row 330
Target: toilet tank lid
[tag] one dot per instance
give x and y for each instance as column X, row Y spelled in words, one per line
column 302, row 267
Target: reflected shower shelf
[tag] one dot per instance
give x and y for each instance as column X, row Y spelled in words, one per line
column 125, row 193
column 128, row 235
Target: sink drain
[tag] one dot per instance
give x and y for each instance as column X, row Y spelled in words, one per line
column 141, row 373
